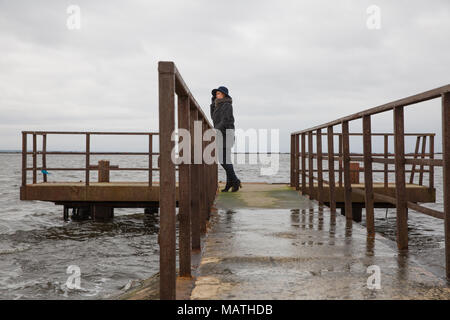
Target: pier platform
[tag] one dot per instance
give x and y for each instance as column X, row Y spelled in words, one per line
column 269, row 242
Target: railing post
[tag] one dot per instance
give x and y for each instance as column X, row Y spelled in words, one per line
column 400, row 187
column 184, row 191
column 310, row 166
column 88, row 152
column 24, row 159
column 413, row 167
column 195, row 195
column 347, row 181
column 368, row 176
column 296, row 162
column 292, row 159
column 386, row 166
column 167, row 187
column 340, row 161
column 446, row 174
column 203, row 207
column 44, row 155
column 303, row 164
column 150, row 160
column 331, row 175
column 319, row 166
column 431, row 167
column 424, row 146
column 34, row 158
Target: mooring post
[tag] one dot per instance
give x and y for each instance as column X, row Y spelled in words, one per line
column 347, row 181
column 368, row 176
column 400, row 183
column 167, row 187
column 446, row 173
column 184, row 192
column 103, row 171
column 331, row 174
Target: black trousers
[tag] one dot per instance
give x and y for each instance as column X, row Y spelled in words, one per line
column 224, row 148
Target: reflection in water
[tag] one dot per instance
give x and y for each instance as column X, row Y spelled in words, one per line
column 295, row 219
column 320, row 218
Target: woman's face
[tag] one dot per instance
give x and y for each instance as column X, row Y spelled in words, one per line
column 219, row 95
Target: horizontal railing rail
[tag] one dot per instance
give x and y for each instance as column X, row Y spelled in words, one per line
column 302, row 140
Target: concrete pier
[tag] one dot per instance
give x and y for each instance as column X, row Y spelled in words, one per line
column 268, row 242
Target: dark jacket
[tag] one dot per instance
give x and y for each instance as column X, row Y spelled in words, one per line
column 222, row 114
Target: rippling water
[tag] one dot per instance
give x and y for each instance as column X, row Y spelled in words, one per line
column 37, row 246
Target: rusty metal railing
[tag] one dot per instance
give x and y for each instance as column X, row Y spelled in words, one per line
column 400, row 160
column 87, row 153
column 197, row 180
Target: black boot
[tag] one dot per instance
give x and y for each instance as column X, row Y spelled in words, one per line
column 227, row 187
column 236, row 185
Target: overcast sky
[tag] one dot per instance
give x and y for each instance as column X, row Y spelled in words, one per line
column 289, row 65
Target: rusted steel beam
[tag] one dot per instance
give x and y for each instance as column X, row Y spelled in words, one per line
column 446, row 174
column 331, row 175
column 184, row 187
column 428, row 211
column 368, row 176
column 347, row 181
column 167, row 189
column 400, row 184
column 303, row 163
column 87, row 165
column 34, row 159
column 24, row 159
column 310, row 165
column 319, row 167
column 421, row 97
column 296, row 162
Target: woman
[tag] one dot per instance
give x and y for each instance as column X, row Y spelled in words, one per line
column 222, row 116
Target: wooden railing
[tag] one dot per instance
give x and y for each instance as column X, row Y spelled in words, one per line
column 87, row 153
column 197, row 180
column 400, row 160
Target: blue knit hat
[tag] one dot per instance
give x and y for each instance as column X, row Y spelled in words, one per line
column 224, row 90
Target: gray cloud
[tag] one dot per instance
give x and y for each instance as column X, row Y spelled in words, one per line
column 289, row 64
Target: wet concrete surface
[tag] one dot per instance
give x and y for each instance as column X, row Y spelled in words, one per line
column 268, row 242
